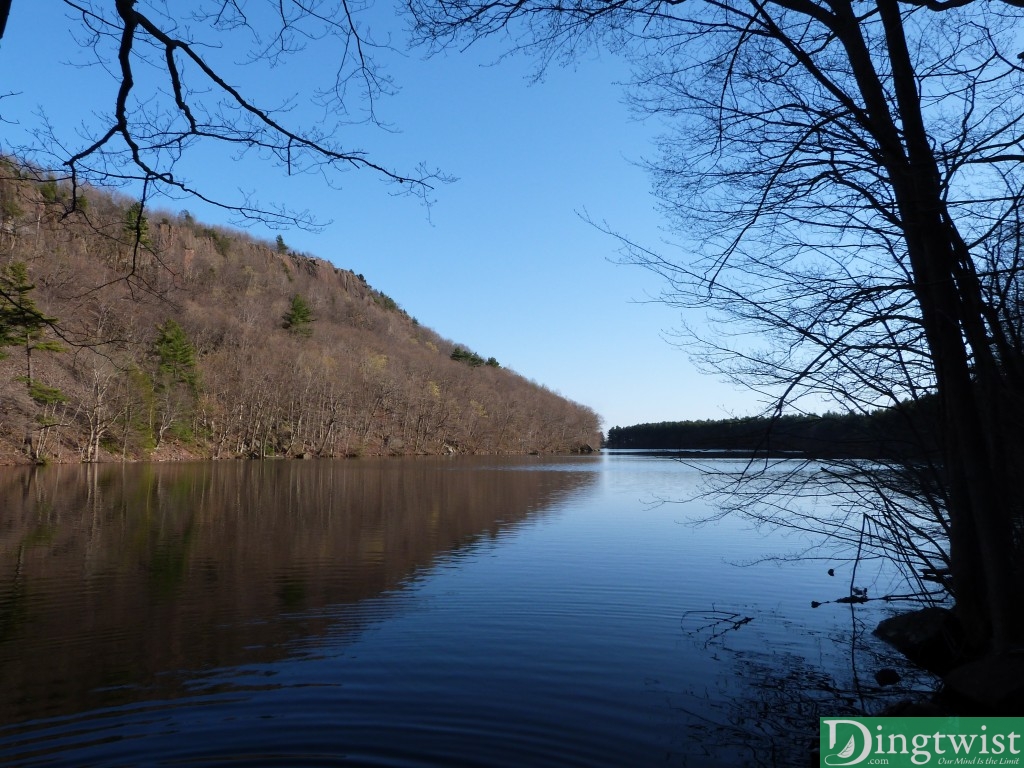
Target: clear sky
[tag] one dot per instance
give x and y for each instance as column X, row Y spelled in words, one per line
column 502, row 262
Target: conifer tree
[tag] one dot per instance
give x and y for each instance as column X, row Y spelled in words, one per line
column 176, row 357
column 136, row 225
column 299, row 317
column 22, row 324
column 177, row 382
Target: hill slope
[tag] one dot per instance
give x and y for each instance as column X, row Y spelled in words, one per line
column 185, row 340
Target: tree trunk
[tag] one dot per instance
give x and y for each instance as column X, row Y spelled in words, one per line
column 967, row 377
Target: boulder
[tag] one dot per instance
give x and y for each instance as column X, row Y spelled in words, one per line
column 931, row 638
column 993, row 685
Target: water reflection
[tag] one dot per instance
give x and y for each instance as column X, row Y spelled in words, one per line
column 114, row 579
column 767, row 702
column 409, row 613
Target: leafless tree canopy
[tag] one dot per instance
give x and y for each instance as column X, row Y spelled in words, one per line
column 845, row 180
column 172, row 71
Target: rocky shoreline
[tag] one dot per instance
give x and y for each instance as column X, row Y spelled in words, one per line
column 933, row 639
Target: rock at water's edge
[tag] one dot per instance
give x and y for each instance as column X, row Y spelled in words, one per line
column 993, row 685
column 931, row 637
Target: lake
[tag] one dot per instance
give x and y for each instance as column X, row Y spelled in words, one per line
column 529, row 611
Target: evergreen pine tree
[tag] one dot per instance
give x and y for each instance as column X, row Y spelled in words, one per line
column 299, row 317
column 22, row 324
column 176, row 356
column 136, row 225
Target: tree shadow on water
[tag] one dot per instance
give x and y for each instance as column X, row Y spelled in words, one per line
column 763, row 705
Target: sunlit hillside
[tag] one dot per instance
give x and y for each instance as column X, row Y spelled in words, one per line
column 131, row 337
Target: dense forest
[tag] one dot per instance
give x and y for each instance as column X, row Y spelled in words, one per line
column 130, row 333
column 903, row 432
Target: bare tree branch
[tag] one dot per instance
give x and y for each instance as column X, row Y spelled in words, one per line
column 186, row 97
column 844, row 185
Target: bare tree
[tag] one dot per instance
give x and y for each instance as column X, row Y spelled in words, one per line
column 842, row 169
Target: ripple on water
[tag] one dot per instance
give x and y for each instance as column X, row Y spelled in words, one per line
column 394, row 616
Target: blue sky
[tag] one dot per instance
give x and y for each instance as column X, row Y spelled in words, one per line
column 502, row 262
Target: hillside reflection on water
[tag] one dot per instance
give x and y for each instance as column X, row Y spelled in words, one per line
column 471, row 611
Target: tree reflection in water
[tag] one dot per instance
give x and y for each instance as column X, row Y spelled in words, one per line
column 765, row 709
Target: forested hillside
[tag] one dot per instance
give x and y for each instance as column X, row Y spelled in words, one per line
column 135, row 334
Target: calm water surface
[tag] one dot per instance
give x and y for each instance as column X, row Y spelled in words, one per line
column 427, row 612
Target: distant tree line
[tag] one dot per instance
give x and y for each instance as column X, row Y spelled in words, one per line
column 906, row 431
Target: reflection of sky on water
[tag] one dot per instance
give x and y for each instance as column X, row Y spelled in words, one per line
column 409, row 613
